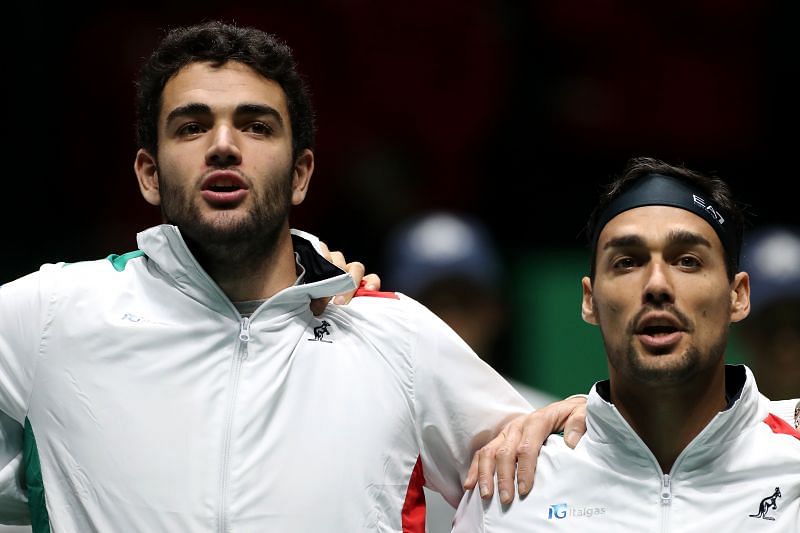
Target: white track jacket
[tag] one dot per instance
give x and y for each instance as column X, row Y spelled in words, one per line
column 146, row 403
column 740, row 474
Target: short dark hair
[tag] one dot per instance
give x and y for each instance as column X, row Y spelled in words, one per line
column 218, row 43
column 711, row 186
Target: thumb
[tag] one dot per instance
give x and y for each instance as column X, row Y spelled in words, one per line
column 575, row 426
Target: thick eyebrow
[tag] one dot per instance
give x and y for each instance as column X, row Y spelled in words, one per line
column 195, row 109
column 687, row 238
column 625, row 241
column 188, row 110
column 259, row 109
column 683, row 237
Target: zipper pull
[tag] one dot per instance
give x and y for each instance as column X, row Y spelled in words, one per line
column 244, row 330
column 666, row 490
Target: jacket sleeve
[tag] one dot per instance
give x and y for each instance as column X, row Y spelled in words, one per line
column 460, row 404
column 22, row 317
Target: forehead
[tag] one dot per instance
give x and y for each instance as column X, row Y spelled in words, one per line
column 222, row 88
column 655, row 223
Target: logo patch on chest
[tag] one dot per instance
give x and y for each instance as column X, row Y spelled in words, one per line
column 768, row 504
column 321, row 331
column 560, row 511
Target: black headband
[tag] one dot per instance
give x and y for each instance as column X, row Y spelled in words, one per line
column 656, row 189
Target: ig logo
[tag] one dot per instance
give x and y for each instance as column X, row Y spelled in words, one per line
column 558, row 510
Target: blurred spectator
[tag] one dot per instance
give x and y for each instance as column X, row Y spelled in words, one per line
column 450, row 264
column 771, row 334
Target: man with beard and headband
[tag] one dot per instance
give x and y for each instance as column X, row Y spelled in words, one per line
column 676, row 440
column 187, row 385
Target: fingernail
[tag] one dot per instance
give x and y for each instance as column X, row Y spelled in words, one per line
column 371, row 287
column 504, row 495
column 521, row 488
column 573, row 438
column 484, row 490
column 339, row 300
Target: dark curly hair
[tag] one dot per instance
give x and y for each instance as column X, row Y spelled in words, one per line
column 218, row 43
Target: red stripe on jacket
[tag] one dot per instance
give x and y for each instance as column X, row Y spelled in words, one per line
column 779, row 425
column 375, row 294
column 413, row 513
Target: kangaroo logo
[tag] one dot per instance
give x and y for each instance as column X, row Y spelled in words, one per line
column 320, row 332
column 767, row 504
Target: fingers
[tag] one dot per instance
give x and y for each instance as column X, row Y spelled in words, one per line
column 486, row 466
column 356, row 271
column 337, row 258
column 319, row 305
column 575, row 426
column 326, row 253
column 567, row 415
column 536, row 428
column 372, row 282
column 498, row 456
column 506, row 459
column 472, row 473
column 481, row 470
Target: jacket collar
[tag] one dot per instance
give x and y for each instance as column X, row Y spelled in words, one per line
column 168, row 254
column 606, row 426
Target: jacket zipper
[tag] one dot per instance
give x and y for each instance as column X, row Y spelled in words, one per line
column 666, row 500
column 241, row 355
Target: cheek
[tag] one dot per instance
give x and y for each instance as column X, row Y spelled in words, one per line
column 615, row 312
column 719, row 305
column 188, row 156
column 175, row 171
column 610, row 317
column 712, row 318
column 274, row 167
column 613, row 303
column 718, row 313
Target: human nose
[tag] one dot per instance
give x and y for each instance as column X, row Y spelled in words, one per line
column 224, row 151
column 658, row 288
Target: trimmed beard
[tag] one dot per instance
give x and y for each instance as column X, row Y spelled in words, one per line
column 650, row 369
column 680, row 369
column 237, row 242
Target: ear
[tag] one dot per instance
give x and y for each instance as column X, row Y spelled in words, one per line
column 740, row 297
column 587, row 303
column 301, row 176
column 147, row 173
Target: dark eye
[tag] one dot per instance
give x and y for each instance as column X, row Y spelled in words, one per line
column 259, row 128
column 192, row 128
column 624, row 263
column 689, row 261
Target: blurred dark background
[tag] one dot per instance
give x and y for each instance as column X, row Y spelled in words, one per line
column 514, row 112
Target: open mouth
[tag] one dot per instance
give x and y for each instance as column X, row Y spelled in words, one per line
column 655, row 331
column 224, row 193
column 659, row 332
column 659, row 339
column 224, row 189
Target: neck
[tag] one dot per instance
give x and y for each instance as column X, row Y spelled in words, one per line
column 255, row 273
column 667, row 417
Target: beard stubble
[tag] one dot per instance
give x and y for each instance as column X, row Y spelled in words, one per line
column 227, row 238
